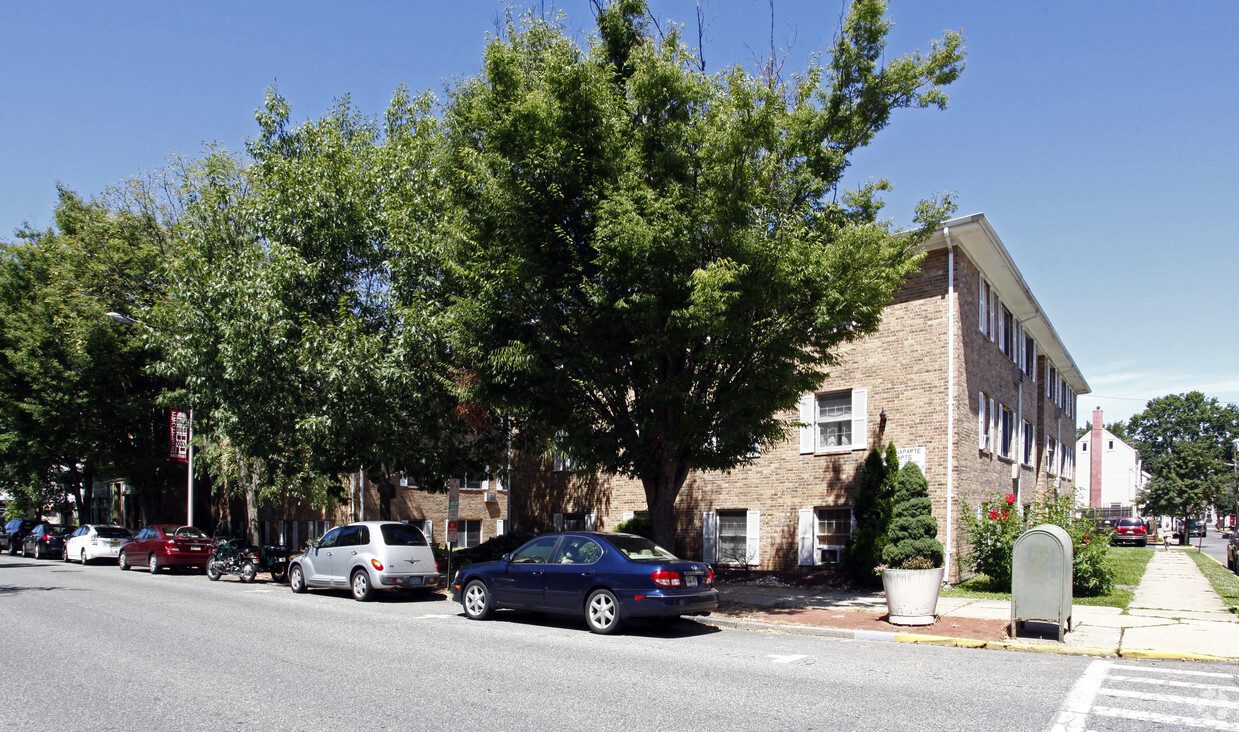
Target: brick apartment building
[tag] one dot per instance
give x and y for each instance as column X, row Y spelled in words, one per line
column 966, row 376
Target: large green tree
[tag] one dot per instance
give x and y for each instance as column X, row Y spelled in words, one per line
column 649, row 263
column 1187, row 443
column 76, row 395
column 299, row 318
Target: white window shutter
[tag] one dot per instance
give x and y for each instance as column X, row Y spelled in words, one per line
column 428, row 527
column 808, row 427
column 486, row 485
column 709, row 537
column 993, row 424
column 982, row 302
column 860, row 419
column 591, row 521
column 628, row 515
column 558, row 521
column 981, row 420
column 752, row 538
column 804, row 536
column 499, row 527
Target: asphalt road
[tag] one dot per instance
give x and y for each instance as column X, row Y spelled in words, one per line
column 96, row 648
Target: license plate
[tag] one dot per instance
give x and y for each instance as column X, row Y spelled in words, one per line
column 195, row 548
column 690, row 580
column 414, row 581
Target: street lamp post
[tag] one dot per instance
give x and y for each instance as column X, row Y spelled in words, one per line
column 189, row 439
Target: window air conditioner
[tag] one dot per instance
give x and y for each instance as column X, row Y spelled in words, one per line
column 491, row 496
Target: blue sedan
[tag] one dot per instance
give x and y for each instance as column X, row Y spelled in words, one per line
column 609, row 578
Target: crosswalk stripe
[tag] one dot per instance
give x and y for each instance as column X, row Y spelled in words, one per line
column 1147, row 717
column 1079, row 701
column 1170, row 682
column 1169, row 698
column 1175, row 671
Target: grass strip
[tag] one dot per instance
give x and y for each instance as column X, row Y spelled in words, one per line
column 1223, row 580
column 1127, row 564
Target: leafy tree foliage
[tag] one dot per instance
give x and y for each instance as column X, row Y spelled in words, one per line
column 653, row 262
column 1186, row 441
column 298, row 315
column 912, row 541
column 76, row 395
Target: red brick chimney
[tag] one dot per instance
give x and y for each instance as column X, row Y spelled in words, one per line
column 1094, row 465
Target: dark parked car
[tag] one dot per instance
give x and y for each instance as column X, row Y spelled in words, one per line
column 1130, row 531
column 166, row 545
column 46, row 541
column 607, row 578
column 14, row 531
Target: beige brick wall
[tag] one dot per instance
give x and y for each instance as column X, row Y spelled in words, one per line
column 904, row 368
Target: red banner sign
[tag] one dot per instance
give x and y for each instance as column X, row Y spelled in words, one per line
column 180, row 435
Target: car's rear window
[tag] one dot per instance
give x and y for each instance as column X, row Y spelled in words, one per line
column 189, row 532
column 112, row 532
column 1130, row 522
column 403, row 535
column 640, row 548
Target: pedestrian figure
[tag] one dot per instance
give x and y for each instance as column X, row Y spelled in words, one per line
column 1166, row 541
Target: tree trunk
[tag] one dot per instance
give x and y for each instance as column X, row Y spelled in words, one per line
column 661, row 490
column 84, row 508
column 251, row 508
column 385, row 486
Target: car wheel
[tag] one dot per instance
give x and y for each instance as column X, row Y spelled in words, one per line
column 296, row 579
column 152, row 562
column 212, row 570
column 1144, row 542
column 248, row 570
column 38, row 551
column 279, row 573
column 64, row 554
column 363, row 591
column 476, row 601
column 122, row 561
column 83, row 557
column 602, row 612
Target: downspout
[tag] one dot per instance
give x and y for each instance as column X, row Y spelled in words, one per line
column 950, row 401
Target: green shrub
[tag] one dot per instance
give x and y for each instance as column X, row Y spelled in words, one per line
column 913, row 534
column 872, row 513
column 639, row 524
column 992, row 532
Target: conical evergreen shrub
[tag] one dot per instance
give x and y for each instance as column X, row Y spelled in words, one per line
column 872, row 514
column 913, row 535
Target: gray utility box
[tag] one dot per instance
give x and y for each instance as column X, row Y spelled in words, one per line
column 1041, row 578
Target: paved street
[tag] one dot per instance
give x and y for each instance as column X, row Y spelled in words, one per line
column 97, row 648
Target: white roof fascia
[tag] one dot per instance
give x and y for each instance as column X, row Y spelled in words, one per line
column 976, row 237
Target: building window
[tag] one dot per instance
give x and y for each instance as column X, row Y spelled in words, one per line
column 1008, row 335
column 834, row 528
column 983, row 313
column 733, row 537
column 468, row 533
column 1030, row 357
column 1051, row 383
column 985, row 421
column 1029, row 442
column 1050, row 454
column 833, row 421
column 474, row 482
column 1007, row 432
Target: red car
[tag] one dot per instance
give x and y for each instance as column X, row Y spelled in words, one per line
column 166, row 545
column 1130, row 531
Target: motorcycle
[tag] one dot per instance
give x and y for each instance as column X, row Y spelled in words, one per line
column 232, row 556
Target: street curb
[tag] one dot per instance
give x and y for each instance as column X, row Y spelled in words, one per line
column 951, row 642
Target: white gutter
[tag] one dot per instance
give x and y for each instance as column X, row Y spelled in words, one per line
column 950, row 400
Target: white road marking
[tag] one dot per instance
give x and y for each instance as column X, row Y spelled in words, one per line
column 1169, row 698
column 1170, row 719
column 787, row 659
column 1175, row 684
column 1074, row 714
column 1167, row 670
column 430, row 617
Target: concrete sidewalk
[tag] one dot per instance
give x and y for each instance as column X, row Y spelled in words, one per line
column 1175, row 614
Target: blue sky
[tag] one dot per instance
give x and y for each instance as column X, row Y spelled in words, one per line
column 1098, row 137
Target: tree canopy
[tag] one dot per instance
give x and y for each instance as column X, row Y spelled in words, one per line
column 649, row 263
column 1187, row 444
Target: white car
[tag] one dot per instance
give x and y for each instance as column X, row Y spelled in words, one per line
column 366, row 557
column 95, row 541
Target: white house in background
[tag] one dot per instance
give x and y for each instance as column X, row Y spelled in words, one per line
column 1109, row 472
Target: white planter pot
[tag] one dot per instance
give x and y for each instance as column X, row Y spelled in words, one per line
column 912, row 595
